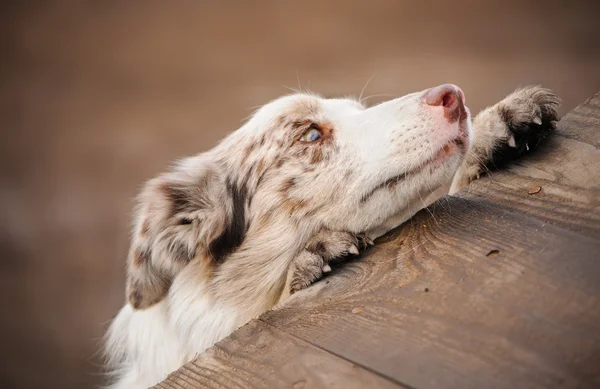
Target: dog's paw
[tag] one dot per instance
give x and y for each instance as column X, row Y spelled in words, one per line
column 530, row 114
column 322, row 250
column 507, row 130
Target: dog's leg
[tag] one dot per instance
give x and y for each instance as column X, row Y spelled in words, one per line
column 324, row 249
column 507, row 130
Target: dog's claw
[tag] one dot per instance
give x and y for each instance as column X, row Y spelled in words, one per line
column 512, row 142
column 325, row 248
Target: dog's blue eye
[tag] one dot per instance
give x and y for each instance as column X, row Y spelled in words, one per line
column 311, row 135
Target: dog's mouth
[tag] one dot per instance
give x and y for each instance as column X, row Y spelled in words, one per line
column 450, row 149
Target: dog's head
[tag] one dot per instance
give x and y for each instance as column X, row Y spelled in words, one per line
column 310, row 161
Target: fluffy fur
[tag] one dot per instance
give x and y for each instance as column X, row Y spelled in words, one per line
column 227, row 234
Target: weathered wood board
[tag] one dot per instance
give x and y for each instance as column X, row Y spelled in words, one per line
column 497, row 287
column 261, row 356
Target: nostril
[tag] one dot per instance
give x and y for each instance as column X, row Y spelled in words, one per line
column 449, row 100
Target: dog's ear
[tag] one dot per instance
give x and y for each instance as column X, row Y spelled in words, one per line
column 190, row 214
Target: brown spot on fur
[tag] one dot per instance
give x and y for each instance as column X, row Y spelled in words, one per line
column 305, row 108
column 247, row 152
column 318, row 248
column 296, row 205
column 287, row 185
column 137, row 301
column 135, row 298
column 264, row 220
column 260, row 167
column 251, row 172
column 145, row 227
column 279, row 162
column 313, row 211
column 300, row 123
column 140, row 257
column 280, row 121
column 316, row 155
column 181, row 252
column 326, row 130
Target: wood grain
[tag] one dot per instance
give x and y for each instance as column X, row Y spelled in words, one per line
column 261, row 356
column 438, row 312
column 583, row 122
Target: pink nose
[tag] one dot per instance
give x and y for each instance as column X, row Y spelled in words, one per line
column 449, row 96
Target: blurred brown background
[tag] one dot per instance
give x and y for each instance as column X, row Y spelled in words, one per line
column 97, row 97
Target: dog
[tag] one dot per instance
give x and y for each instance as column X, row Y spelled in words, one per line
column 227, row 234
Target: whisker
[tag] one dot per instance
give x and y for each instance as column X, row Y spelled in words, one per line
column 298, row 78
column 292, row 89
column 377, row 95
column 426, row 207
column 365, row 87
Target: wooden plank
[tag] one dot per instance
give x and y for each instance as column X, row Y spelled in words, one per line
column 431, row 309
column 577, row 209
column 583, row 122
column 261, row 356
column 567, row 171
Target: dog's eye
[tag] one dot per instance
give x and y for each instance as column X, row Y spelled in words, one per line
column 311, row 135
column 185, row 221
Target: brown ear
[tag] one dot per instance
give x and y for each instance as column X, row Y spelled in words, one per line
column 146, row 284
column 180, row 217
column 149, row 271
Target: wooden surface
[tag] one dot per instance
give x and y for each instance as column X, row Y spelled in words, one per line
column 497, row 287
column 261, row 356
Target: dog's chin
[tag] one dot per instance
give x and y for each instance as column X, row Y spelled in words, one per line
column 448, row 154
column 457, row 147
column 433, row 169
column 438, row 170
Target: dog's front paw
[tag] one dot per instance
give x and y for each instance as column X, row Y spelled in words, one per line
column 322, row 250
column 507, row 130
column 530, row 114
